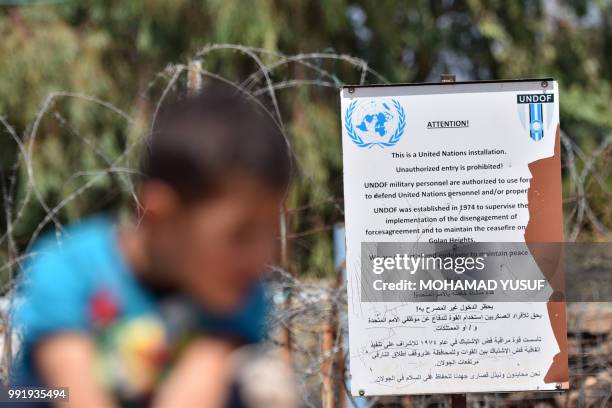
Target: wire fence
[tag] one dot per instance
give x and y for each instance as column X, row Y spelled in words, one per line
column 309, row 319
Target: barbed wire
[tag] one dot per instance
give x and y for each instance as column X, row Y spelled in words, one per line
column 302, row 305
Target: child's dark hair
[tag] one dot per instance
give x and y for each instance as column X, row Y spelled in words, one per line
column 201, row 141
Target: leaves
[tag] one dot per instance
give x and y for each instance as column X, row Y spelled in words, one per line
column 118, row 51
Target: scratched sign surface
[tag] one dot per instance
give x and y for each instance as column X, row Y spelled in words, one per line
column 451, row 163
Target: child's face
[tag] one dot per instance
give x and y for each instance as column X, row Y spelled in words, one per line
column 217, row 249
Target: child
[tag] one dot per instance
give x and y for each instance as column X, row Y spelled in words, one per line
column 147, row 314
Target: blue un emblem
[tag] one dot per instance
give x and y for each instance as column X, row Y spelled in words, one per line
column 375, row 123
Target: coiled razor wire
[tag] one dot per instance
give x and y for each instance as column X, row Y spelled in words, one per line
column 313, row 302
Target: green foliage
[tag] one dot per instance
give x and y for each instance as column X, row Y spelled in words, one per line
column 114, row 50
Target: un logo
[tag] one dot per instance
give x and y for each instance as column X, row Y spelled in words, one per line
column 375, row 123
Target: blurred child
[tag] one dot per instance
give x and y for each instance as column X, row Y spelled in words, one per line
column 147, row 314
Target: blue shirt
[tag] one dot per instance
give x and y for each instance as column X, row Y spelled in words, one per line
column 83, row 284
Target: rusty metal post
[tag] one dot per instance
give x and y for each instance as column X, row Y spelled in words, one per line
column 285, row 335
column 194, row 77
column 7, row 355
column 327, row 362
column 340, row 269
column 339, row 368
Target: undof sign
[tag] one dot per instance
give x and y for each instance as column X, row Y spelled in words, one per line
column 451, row 163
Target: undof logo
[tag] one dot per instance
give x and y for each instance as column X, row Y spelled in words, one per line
column 535, row 103
column 375, row 123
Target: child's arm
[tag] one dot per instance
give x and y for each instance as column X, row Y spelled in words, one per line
column 67, row 360
column 201, row 378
